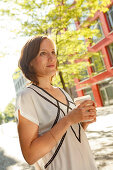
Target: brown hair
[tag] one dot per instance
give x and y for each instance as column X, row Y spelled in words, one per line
column 28, row 53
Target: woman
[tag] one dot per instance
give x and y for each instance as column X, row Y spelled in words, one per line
column 49, row 127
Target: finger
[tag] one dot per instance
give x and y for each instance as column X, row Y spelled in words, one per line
column 95, row 119
column 86, row 102
column 88, row 108
column 90, row 118
column 92, row 111
column 95, row 104
column 92, row 121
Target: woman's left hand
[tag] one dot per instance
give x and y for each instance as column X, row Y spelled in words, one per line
column 85, row 124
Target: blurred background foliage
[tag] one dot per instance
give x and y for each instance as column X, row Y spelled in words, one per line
column 8, row 114
column 59, row 19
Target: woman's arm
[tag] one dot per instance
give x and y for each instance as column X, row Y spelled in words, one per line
column 34, row 147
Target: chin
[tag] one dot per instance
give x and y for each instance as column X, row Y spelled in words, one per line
column 52, row 73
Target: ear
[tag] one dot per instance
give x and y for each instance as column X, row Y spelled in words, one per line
column 31, row 64
column 31, row 67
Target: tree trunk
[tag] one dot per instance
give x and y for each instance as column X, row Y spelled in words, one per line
column 62, row 81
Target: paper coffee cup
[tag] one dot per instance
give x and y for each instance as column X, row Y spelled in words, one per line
column 79, row 100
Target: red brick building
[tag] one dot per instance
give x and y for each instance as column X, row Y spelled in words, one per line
column 100, row 86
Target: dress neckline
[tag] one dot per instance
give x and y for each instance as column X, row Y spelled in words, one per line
column 53, row 96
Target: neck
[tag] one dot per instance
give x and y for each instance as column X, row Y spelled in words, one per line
column 45, row 83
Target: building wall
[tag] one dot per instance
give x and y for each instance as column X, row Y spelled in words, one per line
column 100, row 87
column 20, row 83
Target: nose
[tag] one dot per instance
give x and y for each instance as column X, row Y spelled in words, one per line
column 51, row 56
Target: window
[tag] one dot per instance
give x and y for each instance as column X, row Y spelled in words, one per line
column 22, row 80
column 106, row 91
column 98, row 63
column 110, row 51
column 83, row 75
column 88, row 91
column 100, row 33
column 109, row 15
column 16, row 86
column 19, row 84
column 109, row 91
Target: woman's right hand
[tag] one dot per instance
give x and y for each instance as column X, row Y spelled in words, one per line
column 85, row 111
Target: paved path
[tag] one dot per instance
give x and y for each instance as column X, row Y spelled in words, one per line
column 100, row 135
column 10, row 153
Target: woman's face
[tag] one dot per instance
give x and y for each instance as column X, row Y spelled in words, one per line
column 45, row 62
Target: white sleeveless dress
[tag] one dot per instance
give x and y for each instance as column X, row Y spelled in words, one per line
column 73, row 151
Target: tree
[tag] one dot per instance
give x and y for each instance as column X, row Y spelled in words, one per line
column 55, row 17
column 16, row 73
column 9, row 112
column 1, row 118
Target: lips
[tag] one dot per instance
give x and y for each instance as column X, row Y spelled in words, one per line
column 51, row 65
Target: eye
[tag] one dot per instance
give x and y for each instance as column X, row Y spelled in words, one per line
column 53, row 52
column 43, row 53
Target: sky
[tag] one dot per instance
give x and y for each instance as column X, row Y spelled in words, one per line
column 11, row 44
column 10, row 47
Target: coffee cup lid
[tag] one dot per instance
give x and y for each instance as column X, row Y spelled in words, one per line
column 86, row 97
